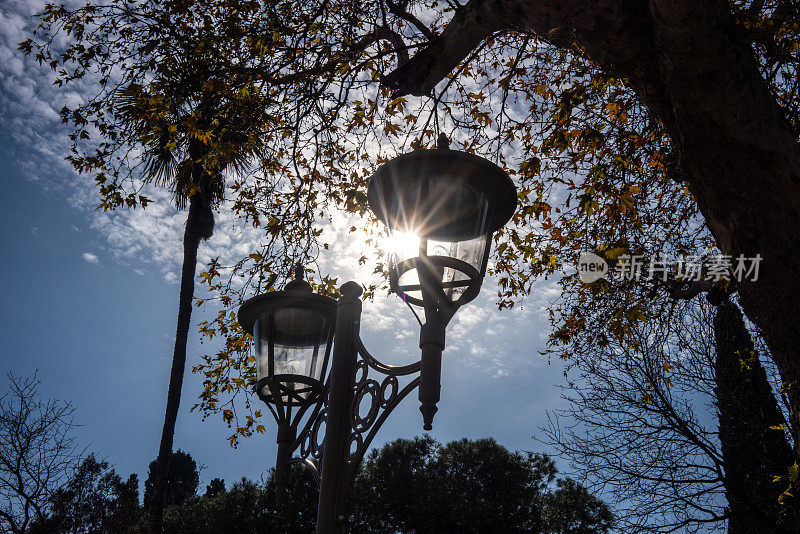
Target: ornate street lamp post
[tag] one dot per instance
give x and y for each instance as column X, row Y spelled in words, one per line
column 445, row 205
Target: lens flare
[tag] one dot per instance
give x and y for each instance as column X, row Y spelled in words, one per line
column 402, row 245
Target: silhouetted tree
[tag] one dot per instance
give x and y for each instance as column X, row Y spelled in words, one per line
column 94, row 500
column 641, row 116
column 215, row 487
column 396, row 479
column 169, row 114
column 242, row 508
column 571, row 509
column 752, row 433
column 182, row 481
column 417, row 486
column 412, row 486
column 249, row 507
column 638, row 424
column 641, row 426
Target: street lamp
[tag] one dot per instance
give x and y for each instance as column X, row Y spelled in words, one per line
column 293, row 333
column 443, row 207
column 444, row 203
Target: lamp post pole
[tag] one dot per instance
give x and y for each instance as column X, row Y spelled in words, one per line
column 286, row 436
column 330, row 512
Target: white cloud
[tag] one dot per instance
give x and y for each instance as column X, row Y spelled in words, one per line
column 91, row 258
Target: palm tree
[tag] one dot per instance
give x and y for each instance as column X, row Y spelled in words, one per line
column 192, row 131
column 179, row 102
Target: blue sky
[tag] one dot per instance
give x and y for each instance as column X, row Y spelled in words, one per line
column 90, row 301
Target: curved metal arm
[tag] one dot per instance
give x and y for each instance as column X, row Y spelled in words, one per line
column 310, row 464
column 382, row 397
column 381, row 367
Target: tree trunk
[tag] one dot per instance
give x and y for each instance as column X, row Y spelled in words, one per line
column 198, row 227
column 754, row 448
column 742, row 164
column 698, row 76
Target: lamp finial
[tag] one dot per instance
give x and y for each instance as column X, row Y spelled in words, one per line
column 443, row 142
column 299, row 282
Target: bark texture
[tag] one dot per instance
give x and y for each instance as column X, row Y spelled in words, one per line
column 754, row 449
column 199, row 226
column 699, row 77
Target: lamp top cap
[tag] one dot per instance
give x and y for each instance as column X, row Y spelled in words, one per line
column 298, row 294
column 299, row 283
column 396, row 190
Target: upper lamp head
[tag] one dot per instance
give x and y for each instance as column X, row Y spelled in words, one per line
column 293, row 331
column 451, row 202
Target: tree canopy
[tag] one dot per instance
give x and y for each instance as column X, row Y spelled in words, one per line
column 475, row 486
column 94, row 499
column 182, row 481
column 415, row 485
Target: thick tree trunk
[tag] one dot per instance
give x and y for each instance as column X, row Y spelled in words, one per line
column 198, row 227
column 692, row 70
column 754, row 448
column 742, row 164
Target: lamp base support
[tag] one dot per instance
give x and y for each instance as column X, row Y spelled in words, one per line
column 340, row 398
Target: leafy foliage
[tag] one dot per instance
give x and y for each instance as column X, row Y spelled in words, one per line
column 414, row 486
column 215, row 487
column 249, row 507
column 469, row 486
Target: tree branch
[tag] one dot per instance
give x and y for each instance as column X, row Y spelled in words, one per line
column 399, row 11
column 469, row 26
column 614, row 33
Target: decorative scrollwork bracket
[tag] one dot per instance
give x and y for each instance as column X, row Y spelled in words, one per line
column 377, row 390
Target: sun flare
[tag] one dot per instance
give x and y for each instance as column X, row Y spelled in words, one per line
column 402, row 244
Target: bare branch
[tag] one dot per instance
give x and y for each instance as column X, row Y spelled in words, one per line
column 38, row 452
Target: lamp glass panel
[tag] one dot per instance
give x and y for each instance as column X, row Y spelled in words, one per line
column 402, row 245
column 439, row 215
column 299, row 339
column 470, row 251
column 305, row 361
column 261, row 347
column 410, row 278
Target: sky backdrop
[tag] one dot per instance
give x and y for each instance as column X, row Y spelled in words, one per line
column 90, row 304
